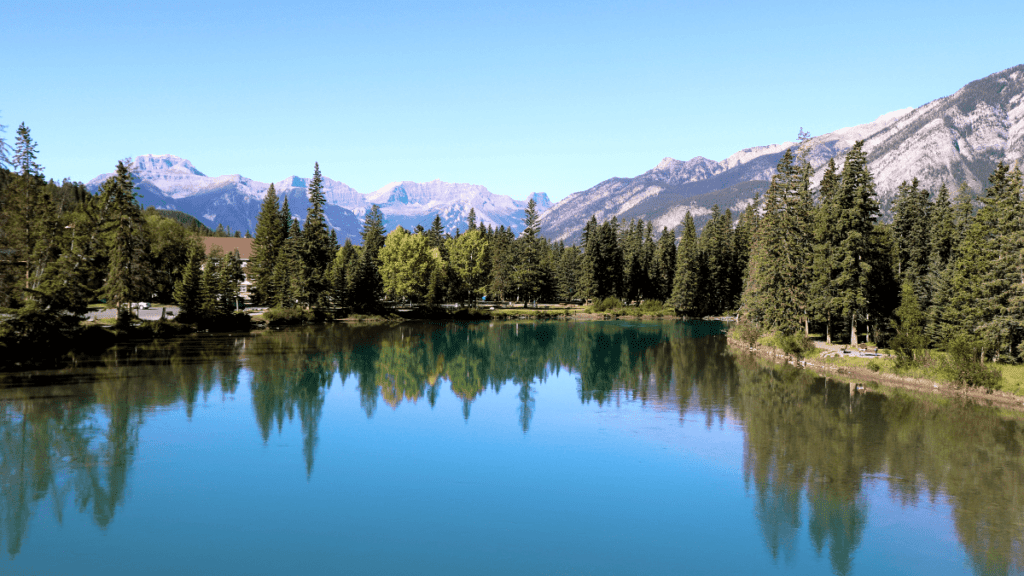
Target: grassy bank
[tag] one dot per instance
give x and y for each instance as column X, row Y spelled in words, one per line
column 931, row 374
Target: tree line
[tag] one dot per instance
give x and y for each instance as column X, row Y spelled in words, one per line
column 947, row 270
column 62, row 248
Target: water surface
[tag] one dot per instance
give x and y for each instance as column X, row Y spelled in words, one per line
column 505, row 448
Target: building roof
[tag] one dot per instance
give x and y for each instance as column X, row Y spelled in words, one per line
column 228, row 245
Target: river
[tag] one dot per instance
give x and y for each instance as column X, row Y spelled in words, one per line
column 614, row 447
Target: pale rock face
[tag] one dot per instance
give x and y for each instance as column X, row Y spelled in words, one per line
column 959, row 138
column 171, row 182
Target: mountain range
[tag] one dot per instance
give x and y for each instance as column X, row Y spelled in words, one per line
column 173, row 183
column 958, row 138
column 952, row 140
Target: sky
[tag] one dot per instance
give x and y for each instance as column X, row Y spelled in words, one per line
column 519, row 97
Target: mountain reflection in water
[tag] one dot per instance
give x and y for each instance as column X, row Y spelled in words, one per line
column 70, row 437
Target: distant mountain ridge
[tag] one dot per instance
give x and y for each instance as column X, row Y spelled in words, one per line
column 173, row 183
column 958, row 138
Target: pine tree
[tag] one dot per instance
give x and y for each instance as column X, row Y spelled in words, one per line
column 343, row 275
column 187, row 290
column 127, row 273
column 825, row 265
column 985, row 285
column 743, row 237
column 527, row 274
column 689, row 282
column 567, row 272
column 502, row 255
column 368, row 281
column 911, row 219
column 633, row 270
column 858, row 210
column 435, row 234
column 471, row 220
column 286, row 269
column 776, row 292
column 265, row 248
column 717, row 256
column 25, row 152
column 663, row 265
column 316, row 250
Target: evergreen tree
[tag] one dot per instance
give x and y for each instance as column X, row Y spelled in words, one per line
column 717, row 257
column 435, row 234
column 127, row 273
column 187, row 293
column 25, row 152
column 368, row 281
column 501, row 281
column 589, row 261
column 265, row 248
column 858, row 210
column 663, row 265
column 776, row 291
column 689, row 282
column 985, row 285
column 633, row 270
column 316, row 248
column 527, row 274
column 567, row 272
column 286, row 269
column 911, row 220
column 825, row 265
column 343, row 275
column 471, row 220
column 742, row 239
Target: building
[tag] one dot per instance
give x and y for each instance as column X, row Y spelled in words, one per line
column 244, row 248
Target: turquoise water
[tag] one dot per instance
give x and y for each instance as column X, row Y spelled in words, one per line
column 531, row 448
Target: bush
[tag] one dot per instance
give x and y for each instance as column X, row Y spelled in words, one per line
column 652, row 306
column 963, row 368
column 747, row 332
column 609, row 303
column 874, row 366
column 796, row 345
column 288, row 316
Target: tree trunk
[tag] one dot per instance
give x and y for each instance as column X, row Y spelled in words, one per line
column 853, row 329
column 828, row 329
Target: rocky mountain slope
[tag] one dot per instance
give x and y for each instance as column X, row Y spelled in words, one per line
column 955, row 139
column 173, row 183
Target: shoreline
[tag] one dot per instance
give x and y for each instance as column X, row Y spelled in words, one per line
column 983, row 397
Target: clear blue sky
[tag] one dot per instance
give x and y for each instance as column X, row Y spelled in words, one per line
column 520, row 97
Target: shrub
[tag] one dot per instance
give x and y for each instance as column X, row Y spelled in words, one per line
column 652, row 306
column 609, row 303
column 874, row 366
column 287, row 316
column 795, row 345
column 746, row 331
column 963, row 368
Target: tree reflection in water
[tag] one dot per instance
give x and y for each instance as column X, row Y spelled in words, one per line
column 809, row 444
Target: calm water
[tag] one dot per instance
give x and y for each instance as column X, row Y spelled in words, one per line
column 538, row 448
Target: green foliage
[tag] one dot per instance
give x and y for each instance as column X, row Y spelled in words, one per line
column 874, row 366
column 288, row 316
column 689, row 273
column 606, row 304
column 128, row 272
column 964, row 367
column 794, row 344
column 910, row 339
column 746, row 331
column 776, row 293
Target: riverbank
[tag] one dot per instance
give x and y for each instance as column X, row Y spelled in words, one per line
column 872, row 377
